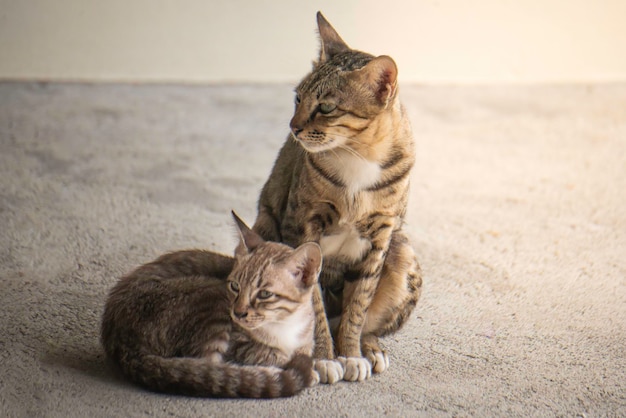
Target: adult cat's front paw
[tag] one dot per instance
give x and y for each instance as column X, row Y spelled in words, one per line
column 329, row 371
column 378, row 359
column 315, row 378
column 356, row 368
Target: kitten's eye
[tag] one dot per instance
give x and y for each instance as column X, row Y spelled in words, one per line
column 264, row 294
column 234, row 286
column 327, row 108
column 297, row 100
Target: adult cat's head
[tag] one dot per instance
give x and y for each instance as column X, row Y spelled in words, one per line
column 271, row 282
column 346, row 92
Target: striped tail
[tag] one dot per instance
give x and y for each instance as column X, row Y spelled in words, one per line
column 204, row 378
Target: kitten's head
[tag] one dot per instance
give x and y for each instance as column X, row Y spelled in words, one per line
column 271, row 281
column 346, row 90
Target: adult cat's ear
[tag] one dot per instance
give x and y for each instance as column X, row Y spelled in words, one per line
column 331, row 42
column 306, row 263
column 249, row 239
column 380, row 75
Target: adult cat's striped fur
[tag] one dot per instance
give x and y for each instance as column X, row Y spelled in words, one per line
column 342, row 180
column 176, row 326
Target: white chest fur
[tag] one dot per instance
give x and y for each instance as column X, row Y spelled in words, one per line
column 347, row 244
column 356, row 172
column 291, row 334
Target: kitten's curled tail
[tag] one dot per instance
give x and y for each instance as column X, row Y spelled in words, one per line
column 205, row 378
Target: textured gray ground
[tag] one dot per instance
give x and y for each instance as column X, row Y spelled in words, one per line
column 517, row 212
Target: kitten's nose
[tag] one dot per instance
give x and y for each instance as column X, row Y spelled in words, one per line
column 240, row 315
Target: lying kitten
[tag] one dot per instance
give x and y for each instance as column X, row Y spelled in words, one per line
column 175, row 325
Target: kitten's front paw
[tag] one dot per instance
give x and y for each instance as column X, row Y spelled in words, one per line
column 329, row 371
column 356, row 368
column 378, row 359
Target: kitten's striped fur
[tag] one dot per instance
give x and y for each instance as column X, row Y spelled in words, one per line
column 342, row 180
column 176, row 326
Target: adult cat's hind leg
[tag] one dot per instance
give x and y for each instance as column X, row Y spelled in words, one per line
column 397, row 293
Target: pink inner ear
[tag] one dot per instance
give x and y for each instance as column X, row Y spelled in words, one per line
column 301, row 275
column 385, row 85
column 382, row 75
column 297, row 275
column 307, row 261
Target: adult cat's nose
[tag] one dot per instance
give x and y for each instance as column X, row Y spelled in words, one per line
column 296, row 129
column 296, row 125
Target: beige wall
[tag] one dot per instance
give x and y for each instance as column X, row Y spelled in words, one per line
column 447, row 41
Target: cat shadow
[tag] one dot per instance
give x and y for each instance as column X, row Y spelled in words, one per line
column 73, row 340
column 90, row 363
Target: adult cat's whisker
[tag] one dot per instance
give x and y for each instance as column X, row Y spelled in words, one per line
column 352, row 152
column 332, row 150
column 360, row 143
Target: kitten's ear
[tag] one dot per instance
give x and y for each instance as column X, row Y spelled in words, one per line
column 306, row 263
column 331, row 42
column 381, row 76
column 249, row 239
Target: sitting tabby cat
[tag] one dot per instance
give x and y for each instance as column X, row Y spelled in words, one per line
column 342, row 180
column 175, row 325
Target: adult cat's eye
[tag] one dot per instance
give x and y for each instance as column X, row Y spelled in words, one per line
column 234, row 286
column 264, row 294
column 327, row 108
column 297, row 99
